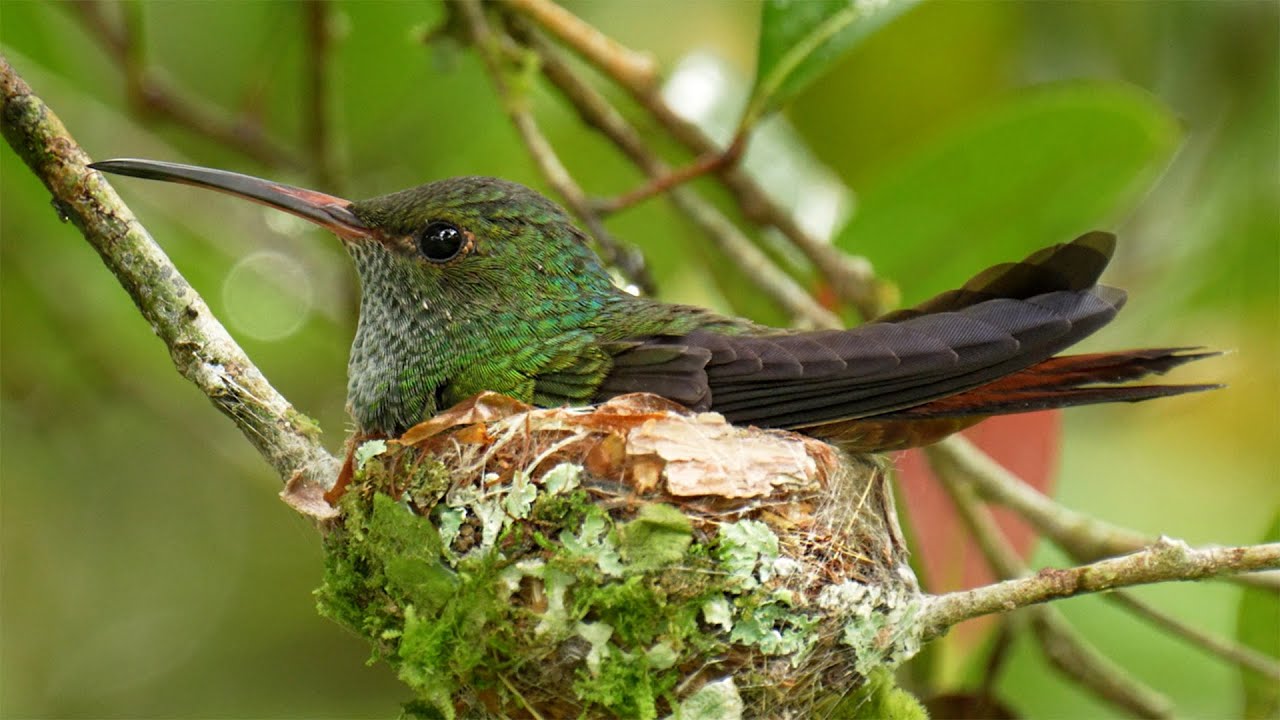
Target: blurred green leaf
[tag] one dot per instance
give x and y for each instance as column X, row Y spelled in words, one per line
column 1037, row 169
column 800, row 39
column 1258, row 627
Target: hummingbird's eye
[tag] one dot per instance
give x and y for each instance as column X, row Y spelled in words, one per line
column 441, row 242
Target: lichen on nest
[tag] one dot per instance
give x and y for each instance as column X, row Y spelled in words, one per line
column 631, row 560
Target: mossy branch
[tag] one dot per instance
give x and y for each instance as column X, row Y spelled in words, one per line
column 1165, row 561
column 202, row 350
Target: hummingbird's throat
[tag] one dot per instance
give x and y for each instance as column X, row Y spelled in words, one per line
column 400, row 357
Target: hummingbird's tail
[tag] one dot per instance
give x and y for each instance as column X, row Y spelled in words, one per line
column 1066, row 381
column 1059, row 382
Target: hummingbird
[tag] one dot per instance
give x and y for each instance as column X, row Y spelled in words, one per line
column 475, row 283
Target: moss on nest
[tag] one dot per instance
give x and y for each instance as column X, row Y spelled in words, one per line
column 505, row 568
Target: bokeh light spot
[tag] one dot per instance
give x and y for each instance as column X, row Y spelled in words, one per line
column 267, row 296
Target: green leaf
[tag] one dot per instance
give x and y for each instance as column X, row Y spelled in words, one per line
column 800, row 39
column 1040, row 168
column 1258, row 627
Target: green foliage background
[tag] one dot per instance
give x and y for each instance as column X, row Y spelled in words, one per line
column 148, row 569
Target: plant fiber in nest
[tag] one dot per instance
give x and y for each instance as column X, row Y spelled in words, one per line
column 629, row 560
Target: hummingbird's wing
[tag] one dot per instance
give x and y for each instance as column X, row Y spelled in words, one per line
column 1005, row 320
column 890, row 366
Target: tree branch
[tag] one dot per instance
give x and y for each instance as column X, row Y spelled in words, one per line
column 1067, row 650
column 1165, row 561
column 628, row 67
column 1232, row 652
column 1072, row 655
column 201, row 349
column 1083, row 537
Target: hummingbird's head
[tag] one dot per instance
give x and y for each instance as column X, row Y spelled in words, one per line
column 479, row 240
column 474, row 241
column 466, row 284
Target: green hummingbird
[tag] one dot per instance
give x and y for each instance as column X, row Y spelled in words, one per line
column 475, row 283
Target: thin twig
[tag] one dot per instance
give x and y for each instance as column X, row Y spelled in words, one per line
column 316, row 69
column 635, row 69
column 152, row 96
column 663, row 183
column 1232, row 652
column 628, row 261
column 1083, row 537
column 597, row 112
column 200, row 347
column 753, row 262
column 850, row 277
column 592, row 107
column 1066, row 649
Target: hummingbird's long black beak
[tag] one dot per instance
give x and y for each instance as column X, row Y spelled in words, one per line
column 327, row 211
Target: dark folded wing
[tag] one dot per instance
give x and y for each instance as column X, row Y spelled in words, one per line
column 1005, row 319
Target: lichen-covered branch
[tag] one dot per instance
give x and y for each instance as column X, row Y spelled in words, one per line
column 1065, row 648
column 1083, row 537
column 1062, row 645
column 201, row 349
column 1165, row 561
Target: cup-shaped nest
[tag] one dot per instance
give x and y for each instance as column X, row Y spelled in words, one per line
column 630, row 560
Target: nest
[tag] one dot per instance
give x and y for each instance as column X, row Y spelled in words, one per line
column 630, row 560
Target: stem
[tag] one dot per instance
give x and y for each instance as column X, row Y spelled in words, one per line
column 1232, row 652
column 1073, row 656
column 317, row 69
column 657, row 185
